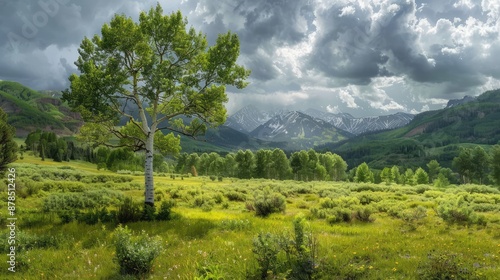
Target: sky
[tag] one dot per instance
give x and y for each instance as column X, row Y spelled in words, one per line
column 360, row 57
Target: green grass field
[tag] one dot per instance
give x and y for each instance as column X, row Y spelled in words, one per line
column 211, row 226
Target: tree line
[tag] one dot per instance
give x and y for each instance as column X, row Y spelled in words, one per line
column 472, row 165
column 267, row 164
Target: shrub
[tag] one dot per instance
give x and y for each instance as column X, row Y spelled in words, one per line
column 300, row 250
column 135, row 255
column 266, row 203
column 265, row 248
column 363, row 214
column 128, row 212
column 457, row 212
column 327, row 203
column 165, row 210
column 218, row 198
column 86, row 200
column 148, row 212
column 236, row 196
column 443, row 266
column 367, row 198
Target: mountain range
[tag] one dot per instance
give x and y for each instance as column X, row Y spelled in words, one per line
column 249, row 118
column 401, row 138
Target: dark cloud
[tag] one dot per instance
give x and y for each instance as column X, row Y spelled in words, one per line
column 357, row 56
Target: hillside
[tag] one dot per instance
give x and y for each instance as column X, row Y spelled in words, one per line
column 29, row 110
column 430, row 135
column 225, row 139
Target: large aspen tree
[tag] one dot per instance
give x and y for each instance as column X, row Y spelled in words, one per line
column 152, row 72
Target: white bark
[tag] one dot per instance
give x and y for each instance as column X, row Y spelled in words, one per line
column 148, row 171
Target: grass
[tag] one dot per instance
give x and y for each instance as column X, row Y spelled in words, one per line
column 387, row 248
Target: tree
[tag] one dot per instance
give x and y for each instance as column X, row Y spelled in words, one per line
column 409, row 177
column 396, row 174
column 387, row 176
column 363, row 174
column 480, row 163
column 263, row 161
column 161, row 70
column 335, row 166
column 434, row 168
column 421, row 176
column 281, row 165
column 8, row 148
column 245, row 161
column 495, row 164
column 463, row 164
column 295, row 165
column 230, row 165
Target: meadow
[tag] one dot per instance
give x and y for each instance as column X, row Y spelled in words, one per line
column 67, row 223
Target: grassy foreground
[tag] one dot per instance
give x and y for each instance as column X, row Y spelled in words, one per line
column 407, row 231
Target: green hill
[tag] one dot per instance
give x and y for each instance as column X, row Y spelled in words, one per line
column 430, row 135
column 29, row 110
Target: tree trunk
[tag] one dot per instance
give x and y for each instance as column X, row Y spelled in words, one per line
column 148, row 171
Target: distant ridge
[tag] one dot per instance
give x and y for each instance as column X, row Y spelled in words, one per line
column 29, row 110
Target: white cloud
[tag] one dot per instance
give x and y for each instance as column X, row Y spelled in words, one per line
column 348, row 10
column 332, row 109
column 347, row 99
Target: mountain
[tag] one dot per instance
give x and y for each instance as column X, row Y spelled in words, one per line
column 358, row 126
column 456, row 102
column 301, row 131
column 29, row 110
column 430, row 135
column 247, row 119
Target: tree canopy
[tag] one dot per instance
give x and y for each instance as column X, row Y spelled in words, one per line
column 152, row 72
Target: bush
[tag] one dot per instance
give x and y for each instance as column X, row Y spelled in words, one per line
column 266, row 203
column 300, row 250
column 457, row 212
column 165, row 210
column 236, row 196
column 135, row 255
column 363, row 214
column 128, row 212
column 148, row 212
column 265, row 248
column 57, row 202
column 443, row 266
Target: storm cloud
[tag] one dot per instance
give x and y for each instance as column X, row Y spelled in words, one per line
column 362, row 57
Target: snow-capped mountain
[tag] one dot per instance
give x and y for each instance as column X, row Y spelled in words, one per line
column 247, row 119
column 358, row 126
column 301, row 129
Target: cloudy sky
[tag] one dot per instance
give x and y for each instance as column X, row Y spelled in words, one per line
column 362, row 57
